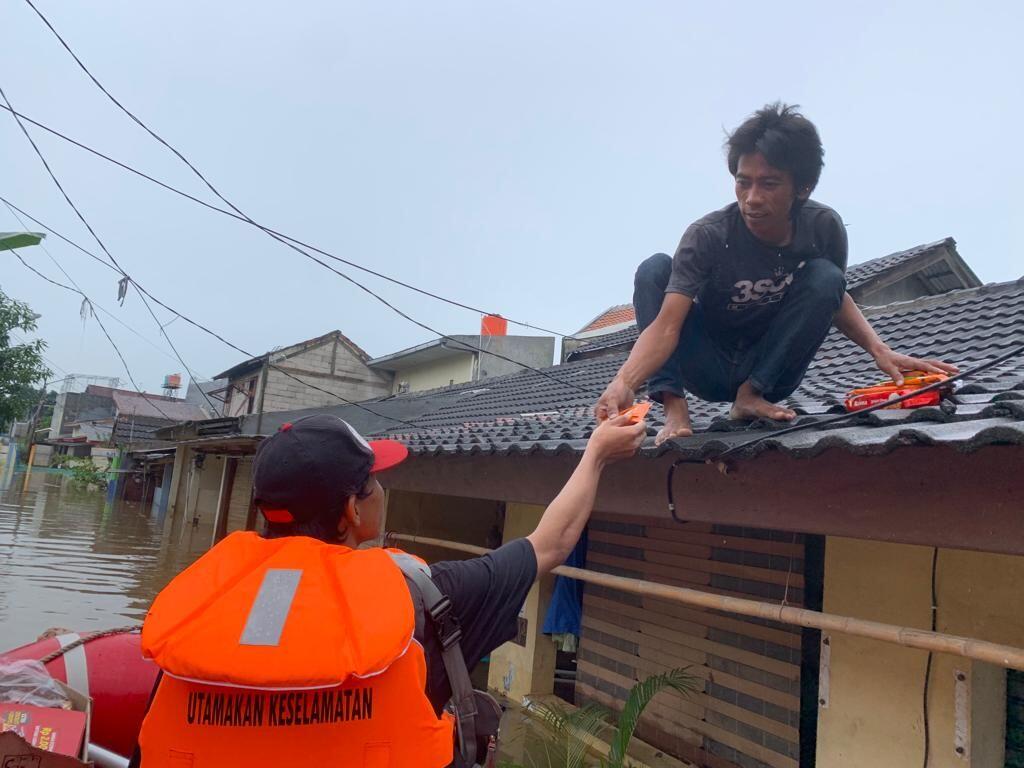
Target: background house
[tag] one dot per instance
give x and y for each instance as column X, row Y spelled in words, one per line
column 94, row 402
column 866, row 518
column 276, row 380
column 463, row 358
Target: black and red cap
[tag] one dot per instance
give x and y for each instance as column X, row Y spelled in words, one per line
column 314, row 464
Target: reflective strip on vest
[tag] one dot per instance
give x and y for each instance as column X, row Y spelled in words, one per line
column 270, row 608
column 403, row 561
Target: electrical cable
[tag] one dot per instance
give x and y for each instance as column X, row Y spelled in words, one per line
column 273, row 232
column 44, row 358
column 928, row 665
column 104, row 310
column 189, row 320
column 103, row 328
column 945, row 383
column 293, row 244
column 217, row 336
column 99, row 241
column 194, row 323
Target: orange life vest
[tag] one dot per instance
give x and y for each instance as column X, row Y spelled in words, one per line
column 289, row 652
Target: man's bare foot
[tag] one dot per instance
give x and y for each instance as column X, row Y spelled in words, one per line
column 749, row 405
column 677, row 419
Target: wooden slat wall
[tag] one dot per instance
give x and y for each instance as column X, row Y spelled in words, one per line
column 748, row 711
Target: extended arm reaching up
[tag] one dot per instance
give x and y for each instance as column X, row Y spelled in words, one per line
column 562, row 523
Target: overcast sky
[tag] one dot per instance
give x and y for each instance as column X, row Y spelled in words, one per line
column 518, row 157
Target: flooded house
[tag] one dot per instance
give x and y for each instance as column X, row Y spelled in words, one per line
column 910, row 518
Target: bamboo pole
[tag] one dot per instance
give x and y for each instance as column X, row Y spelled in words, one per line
column 938, row 642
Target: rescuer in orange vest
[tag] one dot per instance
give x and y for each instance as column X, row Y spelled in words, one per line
column 298, row 648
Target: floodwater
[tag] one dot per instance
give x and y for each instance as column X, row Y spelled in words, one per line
column 71, row 559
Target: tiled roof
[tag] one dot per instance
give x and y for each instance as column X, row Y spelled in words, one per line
column 137, row 431
column 133, row 404
column 620, row 313
column 527, row 412
column 256, row 362
column 859, row 275
column 622, row 338
column 859, row 278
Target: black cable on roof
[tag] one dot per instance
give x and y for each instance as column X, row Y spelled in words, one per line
column 1015, row 352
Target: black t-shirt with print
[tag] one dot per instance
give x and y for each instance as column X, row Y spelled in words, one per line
column 738, row 280
column 487, row 594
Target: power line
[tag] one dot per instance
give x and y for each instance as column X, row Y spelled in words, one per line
column 294, row 244
column 138, row 121
column 43, row 357
column 192, row 322
column 102, row 327
column 100, row 242
column 275, row 233
column 15, row 212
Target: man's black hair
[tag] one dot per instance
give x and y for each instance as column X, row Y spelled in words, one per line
column 787, row 139
column 323, row 527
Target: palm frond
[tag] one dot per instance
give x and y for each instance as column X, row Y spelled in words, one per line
column 568, row 731
column 639, row 697
column 584, row 724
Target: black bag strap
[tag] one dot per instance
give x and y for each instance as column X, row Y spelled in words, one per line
column 438, row 608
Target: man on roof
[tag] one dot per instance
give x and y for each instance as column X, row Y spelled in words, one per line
column 740, row 311
column 299, row 647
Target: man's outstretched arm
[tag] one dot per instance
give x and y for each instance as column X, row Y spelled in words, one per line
column 652, row 349
column 562, row 523
column 852, row 323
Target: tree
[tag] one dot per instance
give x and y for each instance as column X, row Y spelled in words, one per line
column 21, row 365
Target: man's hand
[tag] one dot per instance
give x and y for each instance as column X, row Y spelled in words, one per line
column 893, row 364
column 616, row 438
column 617, row 397
column 562, row 522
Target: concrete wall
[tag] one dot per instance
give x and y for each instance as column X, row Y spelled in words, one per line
column 534, row 351
column 437, row 373
column 874, row 714
column 70, row 405
column 331, row 366
column 241, row 495
column 286, row 394
column 467, row 365
column 907, row 289
column 193, row 500
column 470, row 521
column 521, row 670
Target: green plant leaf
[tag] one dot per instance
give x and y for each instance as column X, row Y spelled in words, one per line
column 639, row 697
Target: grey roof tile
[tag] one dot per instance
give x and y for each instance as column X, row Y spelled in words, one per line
column 858, row 276
column 525, row 412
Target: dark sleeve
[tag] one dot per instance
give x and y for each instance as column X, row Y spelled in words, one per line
column 487, row 594
column 833, row 235
column 691, row 267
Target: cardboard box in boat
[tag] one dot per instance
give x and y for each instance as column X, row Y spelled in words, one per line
column 55, row 732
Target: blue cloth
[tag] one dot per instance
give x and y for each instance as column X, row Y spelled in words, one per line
column 566, row 609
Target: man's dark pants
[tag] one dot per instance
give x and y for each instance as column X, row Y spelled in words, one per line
column 712, row 366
